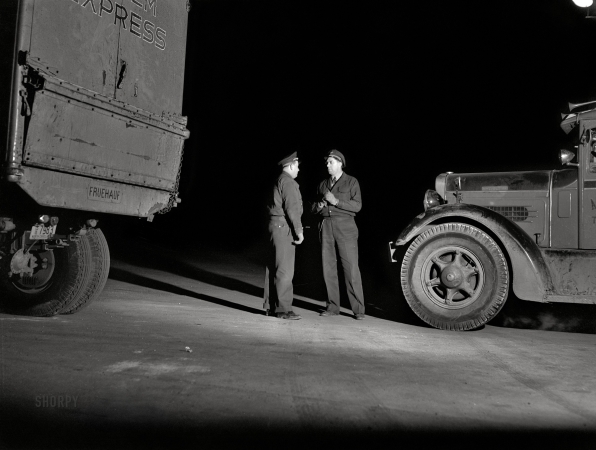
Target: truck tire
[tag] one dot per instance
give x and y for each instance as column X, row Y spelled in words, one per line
column 68, row 276
column 99, row 268
column 455, row 277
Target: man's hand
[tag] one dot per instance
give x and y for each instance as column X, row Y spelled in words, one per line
column 330, row 198
column 300, row 239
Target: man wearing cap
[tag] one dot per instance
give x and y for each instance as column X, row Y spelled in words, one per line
column 285, row 229
column 339, row 201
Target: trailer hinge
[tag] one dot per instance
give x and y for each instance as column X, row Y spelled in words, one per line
column 25, row 107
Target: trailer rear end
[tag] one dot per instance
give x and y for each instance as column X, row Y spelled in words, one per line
column 91, row 124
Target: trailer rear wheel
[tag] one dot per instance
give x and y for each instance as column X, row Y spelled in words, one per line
column 60, row 278
column 99, row 268
column 455, row 277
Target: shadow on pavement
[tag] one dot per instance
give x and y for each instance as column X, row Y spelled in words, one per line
column 128, row 277
column 139, row 280
column 308, row 280
column 382, row 290
column 547, row 316
column 107, row 430
column 176, row 262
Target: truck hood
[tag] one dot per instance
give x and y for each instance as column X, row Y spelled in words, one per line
column 500, row 181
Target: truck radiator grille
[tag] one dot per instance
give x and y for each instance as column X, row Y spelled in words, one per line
column 513, row 213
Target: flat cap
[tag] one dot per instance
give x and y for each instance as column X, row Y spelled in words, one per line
column 337, row 155
column 288, row 159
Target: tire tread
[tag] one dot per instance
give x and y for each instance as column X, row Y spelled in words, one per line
column 491, row 245
column 99, row 268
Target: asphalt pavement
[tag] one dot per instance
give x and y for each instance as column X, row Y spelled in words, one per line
column 177, row 353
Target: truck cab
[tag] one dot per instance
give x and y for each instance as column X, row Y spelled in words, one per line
column 485, row 235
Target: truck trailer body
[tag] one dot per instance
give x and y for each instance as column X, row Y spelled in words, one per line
column 91, row 124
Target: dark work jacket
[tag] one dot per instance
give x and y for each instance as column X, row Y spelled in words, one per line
column 346, row 190
column 286, row 201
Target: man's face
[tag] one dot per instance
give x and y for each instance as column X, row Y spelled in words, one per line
column 294, row 169
column 333, row 166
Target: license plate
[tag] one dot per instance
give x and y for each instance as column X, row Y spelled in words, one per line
column 41, row 232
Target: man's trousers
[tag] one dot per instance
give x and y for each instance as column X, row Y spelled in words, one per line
column 339, row 236
column 279, row 273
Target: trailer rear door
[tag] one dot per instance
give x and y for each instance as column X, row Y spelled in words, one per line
column 151, row 54
column 130, row 50
column 76, row 43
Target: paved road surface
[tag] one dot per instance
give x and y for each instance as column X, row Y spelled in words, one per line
column 177, row 354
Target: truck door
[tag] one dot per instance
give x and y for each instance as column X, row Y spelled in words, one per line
column 75, row 41
column 564, row 211
column 588, row 203
column 151, row 54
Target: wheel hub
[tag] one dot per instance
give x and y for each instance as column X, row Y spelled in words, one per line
column 452, row 277
column 23, row 263
column 32, row 273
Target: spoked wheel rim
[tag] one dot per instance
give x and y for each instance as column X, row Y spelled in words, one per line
column 452, row 277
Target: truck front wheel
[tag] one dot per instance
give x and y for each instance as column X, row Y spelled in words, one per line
column 455, row 277
column 63, row 279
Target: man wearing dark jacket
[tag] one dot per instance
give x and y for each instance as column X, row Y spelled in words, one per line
column 339, row 201
column 285, row 229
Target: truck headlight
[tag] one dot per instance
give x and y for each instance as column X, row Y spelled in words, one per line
column 432, row 199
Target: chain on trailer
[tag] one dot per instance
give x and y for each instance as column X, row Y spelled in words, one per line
column 174, row 200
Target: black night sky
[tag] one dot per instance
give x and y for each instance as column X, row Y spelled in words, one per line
column 406, row 90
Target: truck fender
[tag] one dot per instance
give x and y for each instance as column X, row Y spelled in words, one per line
column 531, row 277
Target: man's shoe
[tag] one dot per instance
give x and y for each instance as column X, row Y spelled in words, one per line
column 329, row 313
column 291, row 315
column 359, row 316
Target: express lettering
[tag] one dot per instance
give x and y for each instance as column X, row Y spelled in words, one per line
column 130, row 20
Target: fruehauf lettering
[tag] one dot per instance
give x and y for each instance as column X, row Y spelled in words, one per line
column 104, row 194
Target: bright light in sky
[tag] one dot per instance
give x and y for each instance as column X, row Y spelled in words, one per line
column 583, row 3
